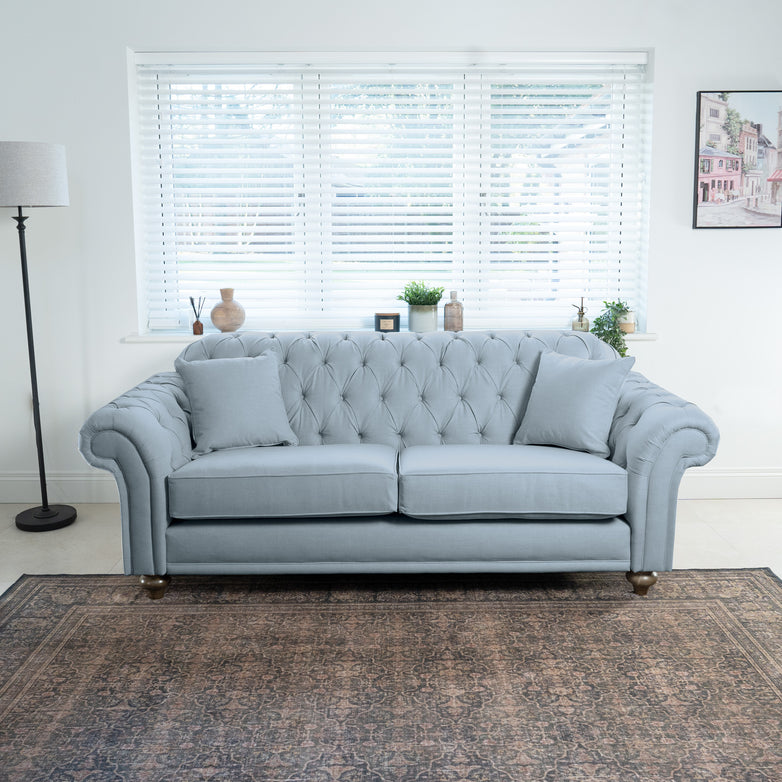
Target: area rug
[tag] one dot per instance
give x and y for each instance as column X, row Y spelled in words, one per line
column 393, row 679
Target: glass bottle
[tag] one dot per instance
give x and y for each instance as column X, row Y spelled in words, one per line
column 580, row 323
column 453, row 314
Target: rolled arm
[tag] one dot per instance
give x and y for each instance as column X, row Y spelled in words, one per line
column 656, row 436
column 141, row 437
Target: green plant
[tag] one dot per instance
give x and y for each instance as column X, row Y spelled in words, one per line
column 419, row 293
column 606, row 325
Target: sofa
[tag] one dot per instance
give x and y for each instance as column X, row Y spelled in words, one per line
column 367, row 452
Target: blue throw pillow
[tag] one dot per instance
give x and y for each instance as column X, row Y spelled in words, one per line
column 235, row 403
column 572, row 402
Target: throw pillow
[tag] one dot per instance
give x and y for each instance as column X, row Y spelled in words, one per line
column 236, row 403
column 572, row 402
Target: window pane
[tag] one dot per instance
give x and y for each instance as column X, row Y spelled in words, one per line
column 317, row 193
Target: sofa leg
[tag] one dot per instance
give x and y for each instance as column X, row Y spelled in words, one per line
column 641, row 581
column 156, row 586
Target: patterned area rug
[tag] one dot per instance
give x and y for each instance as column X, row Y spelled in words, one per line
column 392, row 679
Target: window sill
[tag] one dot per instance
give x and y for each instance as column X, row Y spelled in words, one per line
column 639, row 336
column 179, row 338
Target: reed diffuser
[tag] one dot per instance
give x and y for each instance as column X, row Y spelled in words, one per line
column 198, row 327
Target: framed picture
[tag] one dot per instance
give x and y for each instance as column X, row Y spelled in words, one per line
column 738, row 160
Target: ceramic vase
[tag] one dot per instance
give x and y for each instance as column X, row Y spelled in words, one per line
column 422, row 317
column 227, row 315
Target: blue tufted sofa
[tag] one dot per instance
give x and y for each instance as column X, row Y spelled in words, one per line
column 405, row 463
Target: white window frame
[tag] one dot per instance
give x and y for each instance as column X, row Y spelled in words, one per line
column 467, row 275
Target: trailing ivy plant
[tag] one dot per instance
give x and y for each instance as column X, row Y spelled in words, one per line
column 419, row 293
column 606, row 325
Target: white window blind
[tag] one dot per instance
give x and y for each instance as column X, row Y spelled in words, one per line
column 318, row 191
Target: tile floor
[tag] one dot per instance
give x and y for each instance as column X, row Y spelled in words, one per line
column 710, row 534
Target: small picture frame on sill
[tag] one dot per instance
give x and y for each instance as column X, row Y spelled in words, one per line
column 386, row 321
column 738, row 169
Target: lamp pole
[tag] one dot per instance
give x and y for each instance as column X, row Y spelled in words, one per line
column 45, row 517
column 44, row 509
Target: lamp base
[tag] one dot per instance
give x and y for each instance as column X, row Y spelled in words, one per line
column 40, row 520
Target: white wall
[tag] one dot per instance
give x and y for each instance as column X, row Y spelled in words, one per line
column 65, row 80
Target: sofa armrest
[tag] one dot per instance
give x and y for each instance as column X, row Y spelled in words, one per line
column 141, row 437
column 656, row 436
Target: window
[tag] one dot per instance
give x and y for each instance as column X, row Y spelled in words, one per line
column 318, row 190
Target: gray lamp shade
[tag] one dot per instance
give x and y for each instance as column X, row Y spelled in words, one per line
column 32, row 174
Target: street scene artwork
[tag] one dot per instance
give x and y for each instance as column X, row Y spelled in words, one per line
column 738, row 171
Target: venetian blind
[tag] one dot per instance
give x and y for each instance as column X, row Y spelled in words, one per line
column 317, row 192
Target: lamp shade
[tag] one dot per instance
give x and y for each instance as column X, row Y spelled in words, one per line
column 32, row 174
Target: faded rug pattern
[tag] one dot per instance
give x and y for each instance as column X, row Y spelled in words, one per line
column 393, row 679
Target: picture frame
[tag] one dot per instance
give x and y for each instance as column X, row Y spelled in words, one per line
column 738, row 159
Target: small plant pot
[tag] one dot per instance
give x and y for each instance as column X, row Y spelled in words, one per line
column 422, row 317
column 626, row 322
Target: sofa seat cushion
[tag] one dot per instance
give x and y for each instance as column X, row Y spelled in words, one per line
column 508, row 481
column 314, row 480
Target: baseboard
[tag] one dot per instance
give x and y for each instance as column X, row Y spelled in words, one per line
column 701, row 483
column 697, row 484
column 62, row 487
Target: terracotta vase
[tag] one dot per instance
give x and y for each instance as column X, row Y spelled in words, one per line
column 228, row 314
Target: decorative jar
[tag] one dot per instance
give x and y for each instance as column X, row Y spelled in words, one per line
column 227, row 315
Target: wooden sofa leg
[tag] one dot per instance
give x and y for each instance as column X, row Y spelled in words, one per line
column 641, row 581
column 156, row 586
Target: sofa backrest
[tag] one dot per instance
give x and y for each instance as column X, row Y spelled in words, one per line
column 403, row 389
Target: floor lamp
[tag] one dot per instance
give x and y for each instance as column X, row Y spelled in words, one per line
column 33, row 174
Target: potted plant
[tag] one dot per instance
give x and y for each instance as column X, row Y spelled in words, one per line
column 608, row 325
column 422, row 305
